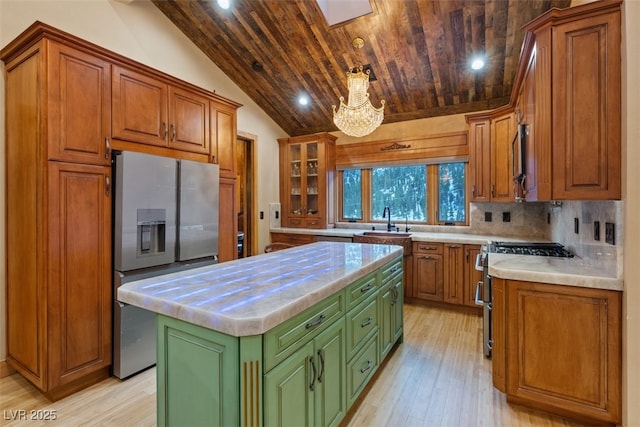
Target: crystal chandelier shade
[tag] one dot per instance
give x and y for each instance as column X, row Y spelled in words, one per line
column 358, row 117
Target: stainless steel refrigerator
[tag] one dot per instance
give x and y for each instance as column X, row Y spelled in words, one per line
column 165, row 220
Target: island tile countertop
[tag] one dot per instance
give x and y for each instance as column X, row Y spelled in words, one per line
column 554, row 270
column 251, row 295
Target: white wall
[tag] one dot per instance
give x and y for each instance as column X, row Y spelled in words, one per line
column 139, row 31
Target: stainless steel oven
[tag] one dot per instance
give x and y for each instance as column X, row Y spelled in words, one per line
column 484, row 287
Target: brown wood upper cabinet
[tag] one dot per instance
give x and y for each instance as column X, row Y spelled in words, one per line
column 307, row 173
column 79, row 106
column 151, row 111
column 576, row 63
column 490, row 156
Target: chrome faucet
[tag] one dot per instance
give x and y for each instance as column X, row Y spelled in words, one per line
column 385, row 212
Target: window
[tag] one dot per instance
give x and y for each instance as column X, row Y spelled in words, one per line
column 401, row 188
column 452, row 204
column 427, row 194
column 352, row 194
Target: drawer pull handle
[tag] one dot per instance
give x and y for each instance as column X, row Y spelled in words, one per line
column 366, row 322
column 366, row 288
column 428, row 248
column 395, row 268
column 366, row 368
column 316, row 322
column 313, row 372
column 426, row 257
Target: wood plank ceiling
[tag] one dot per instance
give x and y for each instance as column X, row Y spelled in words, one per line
column 419, row 51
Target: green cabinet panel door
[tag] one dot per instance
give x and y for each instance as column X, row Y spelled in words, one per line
column 330, row 389
column 308, row 388
column 197, row 372
column 391, row 317
column 288, row 399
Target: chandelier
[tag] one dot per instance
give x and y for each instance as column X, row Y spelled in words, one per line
column 358, row 117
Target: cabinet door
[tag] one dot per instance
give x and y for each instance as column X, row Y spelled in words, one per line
column 79, row 106
column 586, row 115
column 480, row 160
column 453, row 273
column 295, row 181
column 313, row 186
column 502, row 133
column 188, row 121
column 288, row 394
column 228, row 221
column 427, row 282
column 564, row 348
column 223, row 139
column 391, row 318
column 330, row 389
column 139, row 108
column 79, row 289
column 471, row 276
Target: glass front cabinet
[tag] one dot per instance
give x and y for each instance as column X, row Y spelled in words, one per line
column 307, row 173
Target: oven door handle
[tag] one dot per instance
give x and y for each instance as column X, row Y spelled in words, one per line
column 479, row 300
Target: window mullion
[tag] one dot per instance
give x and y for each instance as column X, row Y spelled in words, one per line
column 432, row 194
column 366, row 195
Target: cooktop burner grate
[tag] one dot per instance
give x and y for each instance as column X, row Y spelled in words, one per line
column 524, row 248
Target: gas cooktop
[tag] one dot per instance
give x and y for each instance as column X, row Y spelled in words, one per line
column 530, row 248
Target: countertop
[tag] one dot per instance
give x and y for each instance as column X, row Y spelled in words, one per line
column 251, row 295
column 416, row 236
column 558, row 271
column 574, row 271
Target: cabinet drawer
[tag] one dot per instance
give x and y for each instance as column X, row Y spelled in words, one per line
column 361, row 290
column 361, row 369
column 390, row 270
column 362, row 322
column 427, row 247
column 314, row 223
column 286, row 338
column 293, row 239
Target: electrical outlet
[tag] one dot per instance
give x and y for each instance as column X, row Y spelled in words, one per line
column 610, row 233
column 487, row 217
column 596, row 230
column 576, row 225
column 261, row 214
column 506, row 216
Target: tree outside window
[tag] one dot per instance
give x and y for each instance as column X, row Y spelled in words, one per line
column 451, row 192
column 403, row 189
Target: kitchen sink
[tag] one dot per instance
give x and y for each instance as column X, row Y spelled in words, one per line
column 385, row 238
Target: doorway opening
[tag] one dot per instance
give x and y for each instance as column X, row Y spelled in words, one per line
column 247, row 231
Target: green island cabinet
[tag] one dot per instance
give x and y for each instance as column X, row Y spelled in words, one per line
column 306, row 371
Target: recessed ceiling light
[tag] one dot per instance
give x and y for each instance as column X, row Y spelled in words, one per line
column 477, row 63
column 224, row 3
column 303, row 100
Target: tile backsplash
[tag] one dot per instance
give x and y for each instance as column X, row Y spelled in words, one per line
column 525, row 220
column 583, row 243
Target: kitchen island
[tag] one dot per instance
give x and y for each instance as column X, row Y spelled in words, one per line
column 285, row 338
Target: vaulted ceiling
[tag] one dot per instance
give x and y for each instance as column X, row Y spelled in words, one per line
column 419, row 51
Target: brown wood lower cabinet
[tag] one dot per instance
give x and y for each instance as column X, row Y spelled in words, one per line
column 292, row 238
column 558, row 348
column 427, row 271
column 445, row 272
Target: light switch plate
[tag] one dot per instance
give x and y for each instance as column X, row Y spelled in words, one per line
column 274, row 215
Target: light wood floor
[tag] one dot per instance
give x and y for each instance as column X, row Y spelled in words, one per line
column 437, row 377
